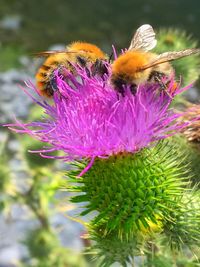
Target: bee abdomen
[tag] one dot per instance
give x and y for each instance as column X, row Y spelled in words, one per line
column 45, row 89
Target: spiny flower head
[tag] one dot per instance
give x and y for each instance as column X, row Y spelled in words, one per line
column 89, row 119
column 132, row 185
column 133, row 198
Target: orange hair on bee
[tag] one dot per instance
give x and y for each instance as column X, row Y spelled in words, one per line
column 40, row 86
column 129, row 64
column 86, row 47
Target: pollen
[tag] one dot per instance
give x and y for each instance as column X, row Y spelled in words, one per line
column 174, row 87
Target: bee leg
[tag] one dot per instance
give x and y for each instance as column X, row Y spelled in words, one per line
column 133, row 88
column 99, row 68
column 81, row 60
column 119, row 85
column 53, row 80
column 157, row 77
column 53, row 84
column 83, row 63
column 49, row 90
column 88, row 72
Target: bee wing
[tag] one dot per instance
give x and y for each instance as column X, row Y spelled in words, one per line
column 144, row 39
column 48, row 53
column 170, row 56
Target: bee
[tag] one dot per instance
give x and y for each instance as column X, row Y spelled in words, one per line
column 137, row 65
column 77, row 53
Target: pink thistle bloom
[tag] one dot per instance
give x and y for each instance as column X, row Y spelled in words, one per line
column 89, row 119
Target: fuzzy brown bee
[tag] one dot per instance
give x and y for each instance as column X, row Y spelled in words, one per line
column 137, row 65
column 83, row 54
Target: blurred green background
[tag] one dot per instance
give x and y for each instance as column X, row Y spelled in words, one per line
column 26, row 180
column 42, row 23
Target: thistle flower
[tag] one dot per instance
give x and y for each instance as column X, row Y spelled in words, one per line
column 89, row 119
column 131, row 182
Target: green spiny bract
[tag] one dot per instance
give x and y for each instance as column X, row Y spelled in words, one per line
column 138, row 197
column 110, row 248
column 184, row 230
column 132, row 192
